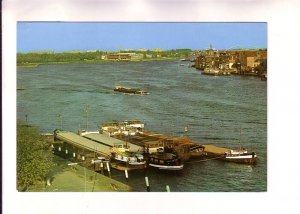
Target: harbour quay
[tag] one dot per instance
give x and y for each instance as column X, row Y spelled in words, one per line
column 126, row 146
column 133, row 131
column 129, row 136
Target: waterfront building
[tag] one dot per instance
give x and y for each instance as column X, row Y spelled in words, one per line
column 232, row 61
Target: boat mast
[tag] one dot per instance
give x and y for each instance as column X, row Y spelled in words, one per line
column 87, row 114
column 240, row 138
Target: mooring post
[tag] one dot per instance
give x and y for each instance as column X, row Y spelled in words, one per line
column 126, row 175
column 147, row 184
column 108, row 169
column 101, row 167
column 168, row 188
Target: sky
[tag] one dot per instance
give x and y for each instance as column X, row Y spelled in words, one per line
column 114, row 36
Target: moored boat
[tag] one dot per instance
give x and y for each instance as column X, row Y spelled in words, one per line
column 165, row 161
column 127, row 160
column 240, row 156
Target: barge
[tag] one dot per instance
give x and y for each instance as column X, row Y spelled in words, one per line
column 126, row 90
column 165, row 161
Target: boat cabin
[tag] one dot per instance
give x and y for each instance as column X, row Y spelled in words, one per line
column 154, row 146
column 167, row 159
column 120, row 148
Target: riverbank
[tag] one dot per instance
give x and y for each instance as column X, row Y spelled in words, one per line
column 76, row 178
column 34, row 65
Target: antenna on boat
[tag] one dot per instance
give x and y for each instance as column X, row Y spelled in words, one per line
column 240, row 137
column 186, row 129
column 60, row 117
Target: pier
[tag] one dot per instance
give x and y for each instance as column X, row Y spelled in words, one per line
column 212, row 150
column 111, row 142
column 83, row 143
column 150, row 141
column 131, row 136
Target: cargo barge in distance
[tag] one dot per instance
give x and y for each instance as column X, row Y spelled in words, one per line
column 130, row 90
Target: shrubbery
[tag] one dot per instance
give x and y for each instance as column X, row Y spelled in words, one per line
column 34, row 156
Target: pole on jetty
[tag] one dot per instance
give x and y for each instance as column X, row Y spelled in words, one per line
column 108, row 169
column 84, row 178
column 147, row 184
column 102, row 168
column 126, row 175
column 87, row 116
column 60, row 117
column 168, row 188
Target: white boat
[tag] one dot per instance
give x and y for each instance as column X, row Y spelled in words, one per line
column 240, row 156
column 127, row 159
column 130, row 158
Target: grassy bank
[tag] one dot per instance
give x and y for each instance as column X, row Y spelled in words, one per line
column 65, row 178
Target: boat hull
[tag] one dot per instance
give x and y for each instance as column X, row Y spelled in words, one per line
column 131, row 91
column 122, row 166
column 245, row 158
column 164, row 167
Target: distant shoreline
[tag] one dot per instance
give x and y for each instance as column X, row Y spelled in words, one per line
column 34, row 65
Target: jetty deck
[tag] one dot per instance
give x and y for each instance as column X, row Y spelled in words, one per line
column 104, row 139
column 214, row 150
column 110, row 141
column 82, row 142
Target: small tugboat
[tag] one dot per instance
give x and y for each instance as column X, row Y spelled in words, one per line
column 165, row 161
column 240, row 156
column 130, row 90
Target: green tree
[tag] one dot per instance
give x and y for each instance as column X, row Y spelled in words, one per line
column 262, row 67
column 34, row 156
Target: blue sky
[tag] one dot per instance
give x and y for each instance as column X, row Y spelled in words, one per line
column 67, row 36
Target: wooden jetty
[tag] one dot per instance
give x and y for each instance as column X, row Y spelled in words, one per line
column 151, row 141
column 96, row 148
column 212, row 150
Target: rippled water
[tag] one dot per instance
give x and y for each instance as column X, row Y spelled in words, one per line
column 214, row 109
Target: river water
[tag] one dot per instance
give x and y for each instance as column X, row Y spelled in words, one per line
column 226, row 111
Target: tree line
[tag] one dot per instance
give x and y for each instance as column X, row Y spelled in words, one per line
column 52, row 57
